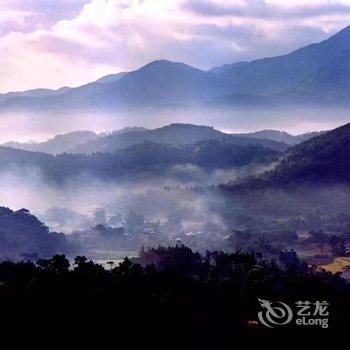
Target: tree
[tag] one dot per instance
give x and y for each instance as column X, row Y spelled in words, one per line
column 321, row 239
column 22, row 233
column 80, row 260
column 58, row 264
column 334, row 240
column 288, row 258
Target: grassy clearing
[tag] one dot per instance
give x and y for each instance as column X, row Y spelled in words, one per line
column 338, row 265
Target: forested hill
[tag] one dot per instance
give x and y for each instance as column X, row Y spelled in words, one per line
column 170, row 134
column 281, row 136
column 146, row 157
column 323, row 160
column 58, row 144
column 83, row 141
column 21, row 232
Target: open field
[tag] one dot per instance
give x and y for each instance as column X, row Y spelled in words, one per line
column 340, row 264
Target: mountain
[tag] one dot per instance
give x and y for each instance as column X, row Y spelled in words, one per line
column 84, row 141
column 22, row 233
column 170, row 134
column 272, row 75
column 58, row 144
column 321, row 160
column 315, row 74
column 30, row 95
column 324, row 158
column 111, row 78
column 33, row 93
column 329, row 84
column 281, row 136
column 147, row 157
column 158, row 83
column 164, row 82
column 241, row 100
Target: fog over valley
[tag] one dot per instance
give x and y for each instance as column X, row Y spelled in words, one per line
column 157, row 186
column 175, row 174
column 25, row 126
column 249, row 156
column 117, row 192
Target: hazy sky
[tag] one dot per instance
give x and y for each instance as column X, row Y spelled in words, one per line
column 51, row 43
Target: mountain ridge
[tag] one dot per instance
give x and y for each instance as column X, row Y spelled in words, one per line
column 67, row 142
column 321, row 160
column 310, row 74
column 147, row 157
column 171, row 134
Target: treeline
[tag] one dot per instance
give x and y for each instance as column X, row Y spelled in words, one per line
column 148, row 156
column 174, row 134
column 168, row 297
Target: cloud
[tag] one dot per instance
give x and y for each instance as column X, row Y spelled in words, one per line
column 47, row 43
column 266, row 9
column 28, row 15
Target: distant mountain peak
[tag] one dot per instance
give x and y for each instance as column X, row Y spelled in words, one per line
column 111, row 78
column 164, row 64
column 162, row 61
column 318, row 74
column 185, row 126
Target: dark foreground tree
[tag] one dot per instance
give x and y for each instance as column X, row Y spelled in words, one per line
column 169, row 298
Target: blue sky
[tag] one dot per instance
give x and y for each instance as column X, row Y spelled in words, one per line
column 50, row 43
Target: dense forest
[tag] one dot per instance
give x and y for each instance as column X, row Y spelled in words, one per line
column 145, row 157
column 167, row 298
column 83, row 141
column 200, row 255
column 306, row 190
column 320, row 161
column 171, row 134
